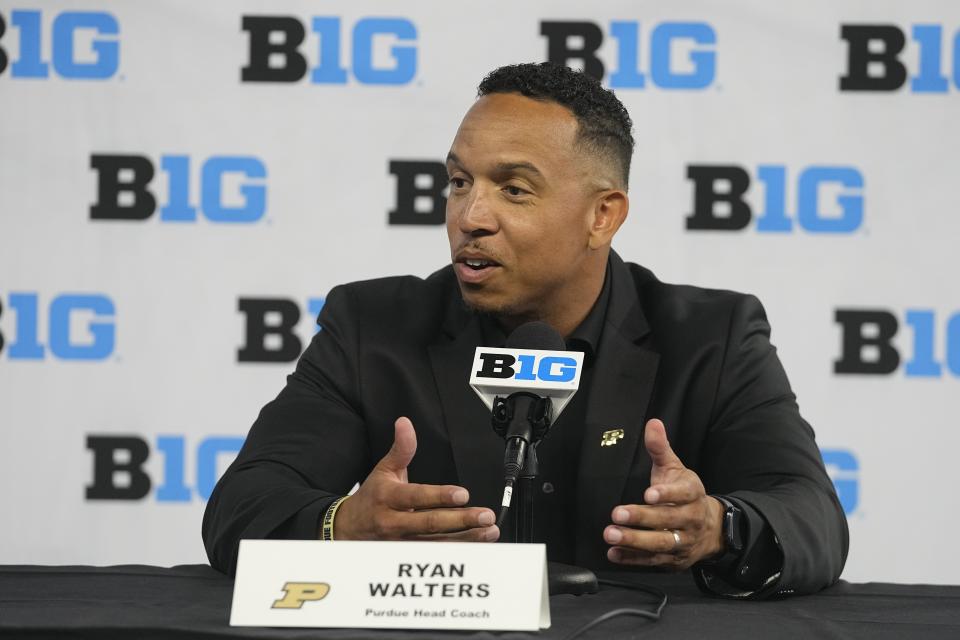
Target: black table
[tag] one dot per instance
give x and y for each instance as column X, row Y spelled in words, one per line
column 193, row 601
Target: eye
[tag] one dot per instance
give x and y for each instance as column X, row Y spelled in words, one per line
column 457, row 182
column 515, row 191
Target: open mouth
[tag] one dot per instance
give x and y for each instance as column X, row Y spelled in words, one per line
column 478, row 265
column 475, row 270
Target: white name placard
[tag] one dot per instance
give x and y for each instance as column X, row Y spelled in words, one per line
column 396, row 585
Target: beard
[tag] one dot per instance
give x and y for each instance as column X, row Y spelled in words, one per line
column 509, row 314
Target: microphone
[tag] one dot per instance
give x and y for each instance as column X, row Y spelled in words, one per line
column 534, row 361
column 525, row 385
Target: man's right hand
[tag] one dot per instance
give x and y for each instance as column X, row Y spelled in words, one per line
column 387, row 507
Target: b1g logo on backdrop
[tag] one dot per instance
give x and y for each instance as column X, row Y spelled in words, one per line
column 668, row 55
column 232, row 189
column 829, row 199
column 844, row 470
column 78, row 326
column 270, row 328
column 84, row 45
column 875, row 58
column 119, row 460
column 275, row 53
column 421, row 188
column 867, row 343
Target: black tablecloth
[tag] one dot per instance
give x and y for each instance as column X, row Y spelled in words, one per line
column 193, row 601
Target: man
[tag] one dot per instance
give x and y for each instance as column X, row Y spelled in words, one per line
column 716, row 470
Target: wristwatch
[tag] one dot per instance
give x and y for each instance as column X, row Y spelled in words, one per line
column 734, row 536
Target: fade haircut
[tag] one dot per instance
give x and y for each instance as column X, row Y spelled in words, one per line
column 603, row 122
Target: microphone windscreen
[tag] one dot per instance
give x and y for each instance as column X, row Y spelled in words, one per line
column 536, row 335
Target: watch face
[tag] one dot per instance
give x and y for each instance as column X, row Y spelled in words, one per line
column 733, row 523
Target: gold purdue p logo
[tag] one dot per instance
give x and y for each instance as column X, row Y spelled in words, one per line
column 296, row 593
column 610, row 438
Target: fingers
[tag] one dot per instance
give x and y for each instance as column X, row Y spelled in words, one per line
column 404, row 447
column 639, row 516
column 634, row 557
column 655, row 440
column 685, row 488
column 426, row 496
column 649, row 542
column 486, row 534
column 405, row 524
column 670, row 481
column 387, row 507
column 673, row 536
column 673, row 550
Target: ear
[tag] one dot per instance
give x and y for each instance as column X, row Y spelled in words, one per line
column 609, row 212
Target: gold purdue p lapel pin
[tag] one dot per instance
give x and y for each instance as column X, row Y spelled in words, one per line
column 611, row 437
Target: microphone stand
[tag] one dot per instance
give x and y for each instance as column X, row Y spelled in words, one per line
column 523, row 531
column 562, row 578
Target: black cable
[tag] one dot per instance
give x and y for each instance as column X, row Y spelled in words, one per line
column 504, row 508
column 653, row 614
column 513, row 458
column 633, row 586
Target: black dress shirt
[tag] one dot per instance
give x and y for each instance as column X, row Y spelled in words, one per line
column 555, row 496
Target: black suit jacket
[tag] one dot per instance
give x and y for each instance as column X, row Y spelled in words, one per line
column 700, row 360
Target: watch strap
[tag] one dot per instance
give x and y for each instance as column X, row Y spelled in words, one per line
column 734, row 535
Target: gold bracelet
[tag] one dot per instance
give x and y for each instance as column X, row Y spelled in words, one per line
column 326, row 532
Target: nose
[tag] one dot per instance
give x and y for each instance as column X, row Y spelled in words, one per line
column 477, row 216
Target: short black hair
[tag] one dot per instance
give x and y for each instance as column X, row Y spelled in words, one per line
column 604, row 124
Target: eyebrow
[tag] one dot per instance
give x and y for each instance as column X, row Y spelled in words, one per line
column 501, row 167
column 452, row 157
column 506, row 167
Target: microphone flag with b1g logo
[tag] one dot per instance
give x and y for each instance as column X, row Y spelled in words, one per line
column 502, row 371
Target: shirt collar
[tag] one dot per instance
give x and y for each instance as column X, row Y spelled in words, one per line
column 586, row 337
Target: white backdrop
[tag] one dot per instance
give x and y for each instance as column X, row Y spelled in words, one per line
column 132, row 328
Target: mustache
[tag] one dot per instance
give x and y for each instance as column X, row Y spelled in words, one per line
column 477, row 247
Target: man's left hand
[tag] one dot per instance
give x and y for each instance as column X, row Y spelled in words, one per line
column 678, row 526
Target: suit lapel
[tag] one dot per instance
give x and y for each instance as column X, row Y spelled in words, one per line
column 622, row 384
column 477, row 450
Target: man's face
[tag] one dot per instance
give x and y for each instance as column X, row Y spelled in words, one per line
column 520, row 209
